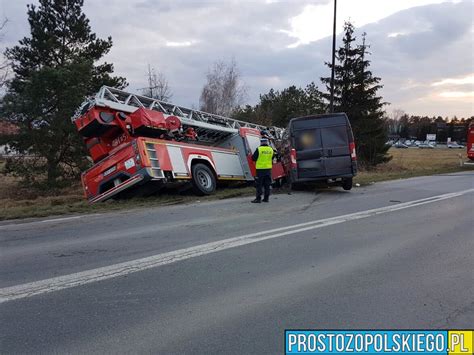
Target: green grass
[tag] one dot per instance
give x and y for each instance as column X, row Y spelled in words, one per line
column 17, row 202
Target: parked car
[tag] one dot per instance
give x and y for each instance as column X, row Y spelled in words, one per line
column 319, row 148
column 400, row 145
column 455, row 145
column 426, row 145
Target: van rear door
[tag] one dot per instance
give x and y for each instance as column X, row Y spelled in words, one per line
column 309, row 150
column 335, row 141
column 322, row 145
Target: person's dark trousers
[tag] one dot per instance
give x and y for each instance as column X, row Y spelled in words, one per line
column 264, row 180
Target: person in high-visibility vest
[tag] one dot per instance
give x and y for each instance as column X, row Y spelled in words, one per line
column 263, row 158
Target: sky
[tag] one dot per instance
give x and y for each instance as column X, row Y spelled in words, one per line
column 422, row 49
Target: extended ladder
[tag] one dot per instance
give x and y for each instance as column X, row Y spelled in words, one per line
column 209, row 126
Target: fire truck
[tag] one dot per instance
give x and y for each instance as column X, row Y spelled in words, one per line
column 470, row 141
column 137, row 142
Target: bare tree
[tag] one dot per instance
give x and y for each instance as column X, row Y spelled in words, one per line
column 158, row 87
column 397, row 114
column 224, row 90
column 4, row 65
column 394, row 122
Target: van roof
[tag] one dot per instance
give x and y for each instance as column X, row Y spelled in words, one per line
column 319, row 121
column 324, row 115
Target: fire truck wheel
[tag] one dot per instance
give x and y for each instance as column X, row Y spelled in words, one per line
column 204, row 181
column 347, row 184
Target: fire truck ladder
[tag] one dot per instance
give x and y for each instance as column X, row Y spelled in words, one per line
column 209, row 127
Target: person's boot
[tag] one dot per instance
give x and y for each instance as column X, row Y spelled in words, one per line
column 265, row 200
column 257, row 200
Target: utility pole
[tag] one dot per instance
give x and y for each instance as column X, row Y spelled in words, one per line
column 331, row 102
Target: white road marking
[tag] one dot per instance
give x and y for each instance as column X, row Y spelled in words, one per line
column 129, row 267
column 59, row 219
column 51, row 220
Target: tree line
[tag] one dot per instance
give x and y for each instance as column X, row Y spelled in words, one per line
column 60, row 63
column 404, row 126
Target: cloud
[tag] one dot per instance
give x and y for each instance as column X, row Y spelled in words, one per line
column 316, row 20
column 434, row 46
column 469, row 79
column 180, row 44
column 457, row 94
column 411, row 49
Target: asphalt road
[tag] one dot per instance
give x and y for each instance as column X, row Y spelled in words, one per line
column 230, row 276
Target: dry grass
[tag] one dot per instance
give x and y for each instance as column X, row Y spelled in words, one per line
column 16, row 202
column 414, row 162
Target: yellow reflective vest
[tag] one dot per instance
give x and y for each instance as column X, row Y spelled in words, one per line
column 265, row 157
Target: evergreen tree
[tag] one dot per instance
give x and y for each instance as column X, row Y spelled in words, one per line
column 54, row 70
column 355, row 93
column 404, row 126
column 344, row 74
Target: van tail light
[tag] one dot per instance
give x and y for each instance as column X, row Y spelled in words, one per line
column 293, row 158
column 352, row 148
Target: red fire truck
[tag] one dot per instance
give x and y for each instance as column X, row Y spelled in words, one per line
column 136, row 142
column 470, row 141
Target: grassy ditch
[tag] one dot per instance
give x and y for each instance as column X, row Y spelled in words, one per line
column 18, row 202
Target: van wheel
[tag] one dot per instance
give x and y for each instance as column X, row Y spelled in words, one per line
column 204, row 181
column 294, row 186
column 347, row 184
